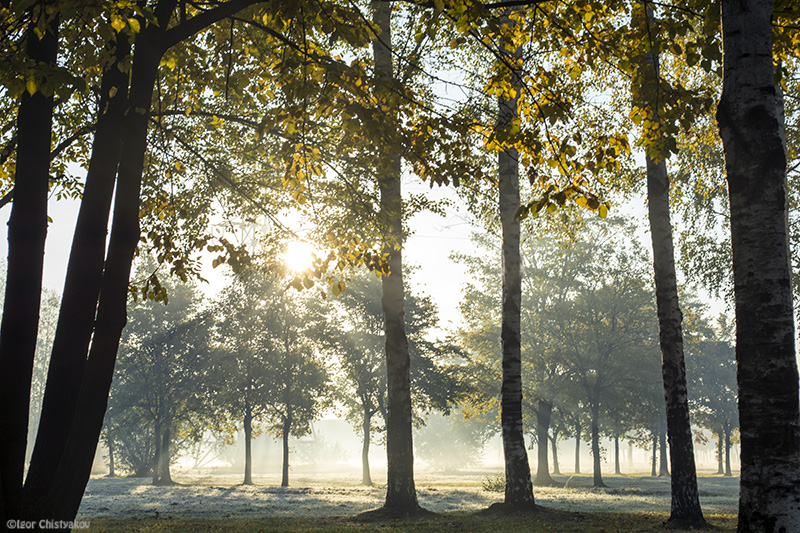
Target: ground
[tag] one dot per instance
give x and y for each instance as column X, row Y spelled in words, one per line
column 206, row 502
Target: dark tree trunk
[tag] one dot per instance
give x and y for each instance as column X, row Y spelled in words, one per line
column 83, row 279
column 366, row 479
column 663, row 468
column 554, row 449
column 597, row 474
column 720, row 453
column 110, row 442
column 287, row 427
column 616, row 455
column 577, row 447
column 27, row 230
column 164, row 474
column 728, row 472
column 401, row 493
column 752, row 130
column 543, row 415
column 69, row 480
column 653, row 470
column 519, row 489
column 248, row 445
column 685, row 508
column 156, row 451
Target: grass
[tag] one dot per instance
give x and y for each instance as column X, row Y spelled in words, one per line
column 544, row 520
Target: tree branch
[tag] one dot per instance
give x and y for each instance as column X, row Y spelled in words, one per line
column 205, row 19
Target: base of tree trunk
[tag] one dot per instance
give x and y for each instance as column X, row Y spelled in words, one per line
column 166, row 483
column 392, row 513
column 505, row 509
column 599, row 485
column 546, row 482
column 687, row 523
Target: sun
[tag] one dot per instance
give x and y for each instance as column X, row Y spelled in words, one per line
column 298, row 255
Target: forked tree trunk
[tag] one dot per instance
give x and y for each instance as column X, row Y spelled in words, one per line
column 248, row 445
column 401, row 494
column 519, row 489
column 366, row 478
column 577, row 447
column 83, row 279
column 685, row 508
column 597, row 470
column 27, row 230
column 751, row 125
column 543, row 415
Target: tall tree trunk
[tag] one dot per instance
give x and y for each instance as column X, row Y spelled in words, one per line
column 616, row 455
column 663, row 467
column 248, row 445
column 61, row 497
column 164, row 458
column 597, row 474
column 752, row 130
column 577, row 447
column 401, row 494
column 554, row 449
column 157, row 451
column 654, row 461
column 728, row 472
column 630, row 454
column 519, row 489
column 287, row 427
column 543, row 415
column 83, row 279
column 720, row 468
column 685, row 508
column 27, row 230
column 366, row 479
column 110, row 441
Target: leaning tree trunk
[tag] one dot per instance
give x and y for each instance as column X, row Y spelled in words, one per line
column 685, row 508
column 543, row 415
column 60, row 495
column 597, row 473
column 27, row 230
column 751, row 125
column 83, row 279
column 366, row 478
column 401, row 494
column 519, row 489
column 248, row 445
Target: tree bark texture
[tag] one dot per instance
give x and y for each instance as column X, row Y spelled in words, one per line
column 83, row 279
column 401, row 494
column 519, row 488
column 543, row 414
column 751, row 126
column 685, row 507
column 554, row 449
column 663, row 467
column 27, row 230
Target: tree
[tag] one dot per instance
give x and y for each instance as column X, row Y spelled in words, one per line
column 751, row 126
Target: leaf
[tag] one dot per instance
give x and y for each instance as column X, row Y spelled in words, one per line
column 117, row 23
column 602, row 211
column 30, row 86
column 135, row 26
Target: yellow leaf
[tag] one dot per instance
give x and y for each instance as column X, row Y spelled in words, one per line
column 602, row 211
column 111, row 92
column 117, row 23
column 134, row 24
column 30, row 85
